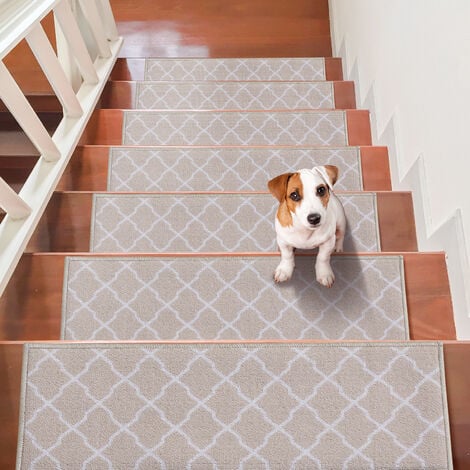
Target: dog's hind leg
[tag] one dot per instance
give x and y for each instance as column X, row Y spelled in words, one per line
column 340, row 230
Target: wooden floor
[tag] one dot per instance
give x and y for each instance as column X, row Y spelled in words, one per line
column 30, row 308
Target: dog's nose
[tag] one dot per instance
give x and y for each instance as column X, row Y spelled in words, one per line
column 313, row 219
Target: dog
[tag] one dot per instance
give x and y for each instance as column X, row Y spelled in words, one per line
column 309, row 216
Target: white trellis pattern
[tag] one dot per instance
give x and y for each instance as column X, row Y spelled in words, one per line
column 222, row 168
column 236, row 69
column 234, row 95
column 219, row 298
column 318, row 128
column 220, row 222
column 194, row 406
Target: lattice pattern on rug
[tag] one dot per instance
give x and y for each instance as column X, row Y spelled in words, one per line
column 235, row 69
column 222, row 168
column 297, row 405
column 234, row 95
column 162, row 298
column 234, row 128
column 210, row 222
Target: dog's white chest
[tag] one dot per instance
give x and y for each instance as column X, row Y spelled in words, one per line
column 304, row 239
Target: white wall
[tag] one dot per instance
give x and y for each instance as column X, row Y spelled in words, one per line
column 410, row 60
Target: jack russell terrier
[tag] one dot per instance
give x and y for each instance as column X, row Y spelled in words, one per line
column 309, row 216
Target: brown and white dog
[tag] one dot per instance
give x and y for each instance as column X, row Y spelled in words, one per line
column 309, row 216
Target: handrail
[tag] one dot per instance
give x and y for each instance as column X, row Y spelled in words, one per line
column 21, row 19
column 17, row 18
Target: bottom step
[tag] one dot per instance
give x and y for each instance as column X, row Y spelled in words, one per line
column 234, row 405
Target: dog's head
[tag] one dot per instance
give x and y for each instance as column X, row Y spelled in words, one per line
column 303, row 196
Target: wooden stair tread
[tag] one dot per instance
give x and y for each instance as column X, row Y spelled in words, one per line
column 31, row 305
column 456, row 358
column 73, row 209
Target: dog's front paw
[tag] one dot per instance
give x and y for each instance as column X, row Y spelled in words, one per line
column 325, row 276
column 283, row 272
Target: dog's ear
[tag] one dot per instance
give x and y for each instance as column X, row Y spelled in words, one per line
column 329, row 173
column 278, row 186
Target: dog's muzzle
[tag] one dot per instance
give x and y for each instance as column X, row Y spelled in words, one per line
column 313, row 219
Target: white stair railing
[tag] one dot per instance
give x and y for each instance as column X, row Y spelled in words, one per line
column 20, row 19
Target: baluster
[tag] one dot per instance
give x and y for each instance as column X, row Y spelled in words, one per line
column 108, row 19
column 11, row 203
column 71, row 31
column 42, row 49
column 96, row 25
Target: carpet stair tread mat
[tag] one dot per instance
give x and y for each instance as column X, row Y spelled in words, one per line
column 222, row 168
column 316, row 128
column 219, row 222
column 292, row 405
column 227, row 297
column 255, row 69
column 234, row 95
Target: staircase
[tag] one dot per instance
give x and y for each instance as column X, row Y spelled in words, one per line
column 155, row 333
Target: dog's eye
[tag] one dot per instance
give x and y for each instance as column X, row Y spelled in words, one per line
column 321, row 191
column 295, row 196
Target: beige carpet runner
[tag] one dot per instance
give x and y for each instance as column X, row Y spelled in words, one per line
column 234, row 95
column 235, row 128
column 180, row 351
column 285, row 69
column 231, row 406
column 222, row 297
column 210, row 222
column 223, row 168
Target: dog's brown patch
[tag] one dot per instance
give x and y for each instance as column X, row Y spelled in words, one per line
column 283, row 215
column 278, row 186
column 326, row 197
column 282, row 187
column 332, row 171
column 289, row 205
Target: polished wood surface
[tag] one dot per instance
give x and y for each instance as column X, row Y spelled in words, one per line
column 87, row 170
column 30, row 309
column 375, row 169
column 358, row 127
column 456, row 360
column 119, row 95
column 344, row 95
column 65, row 224
column 186, row 28
column 396, row 221
column 333, row 68
column 104, row 128
column 245, row 28
column 429, row 298
column 11, row 359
